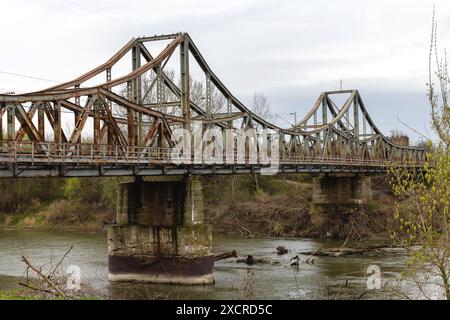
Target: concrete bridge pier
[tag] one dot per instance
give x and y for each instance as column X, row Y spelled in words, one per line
column 338, row 193
column 160, row 235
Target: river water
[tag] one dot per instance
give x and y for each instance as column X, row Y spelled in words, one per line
column 326, row 278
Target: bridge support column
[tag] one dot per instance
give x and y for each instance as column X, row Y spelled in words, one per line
column 338, row 193
column 160, row 235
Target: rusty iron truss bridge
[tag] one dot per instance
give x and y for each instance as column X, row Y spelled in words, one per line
column 125, row 125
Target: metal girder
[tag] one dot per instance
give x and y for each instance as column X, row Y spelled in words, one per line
column 185, row 91
column 327, row 131
column 2, row 112
column 78, row 109
column 111, row 123
column 53, row 123
column 30, row 113
column 27, row 124
column 76, row 133
column 151, row 133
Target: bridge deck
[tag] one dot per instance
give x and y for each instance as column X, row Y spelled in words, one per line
column 23, row 160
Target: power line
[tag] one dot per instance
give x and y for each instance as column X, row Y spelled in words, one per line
column 5, row 90
column 28, row 76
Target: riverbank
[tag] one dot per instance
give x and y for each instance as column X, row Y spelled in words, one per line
column 244, row 205
column 285, row 212
column 60, row 213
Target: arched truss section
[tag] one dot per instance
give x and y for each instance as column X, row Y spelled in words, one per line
column 124, row 118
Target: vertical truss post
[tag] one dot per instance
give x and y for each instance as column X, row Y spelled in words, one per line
column 159, row 88
column 324, row 111
column 281, row 146
column 347, row 120
column 108, row 75
column 372, row 143
column 356, row 119
column 208, row 99
column 185, row 91
column 315, row 125
column 77, row 118
column 57, row 118
column 110, row 134
column 96, row 122
column 76, row 113
column 2, row 108
column 356, row 127
column 11, row 128
column 364, row 125
column 324, row 118
column 136, row 98
column 228, row 138
column 269, row 144
column 229, row 106
column 130, row 117
column 41, row 121
column 161, row 139
column 77, row 99
column 207, row 125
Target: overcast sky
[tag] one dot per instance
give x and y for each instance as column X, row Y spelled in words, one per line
column 288, row 50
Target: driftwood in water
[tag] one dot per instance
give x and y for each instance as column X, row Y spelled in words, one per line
column 281, row 250
column 294, row 261
column 35, row 288
column 340, row 252
column 46, row 279
column 310, row 260
column 334, row 252
column 250, row 260
column 225, row 255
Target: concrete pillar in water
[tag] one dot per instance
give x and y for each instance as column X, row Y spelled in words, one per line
column 336, row 193
column 160, row 235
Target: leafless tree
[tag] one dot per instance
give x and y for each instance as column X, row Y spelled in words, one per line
column 261, row 107
column 438, row 97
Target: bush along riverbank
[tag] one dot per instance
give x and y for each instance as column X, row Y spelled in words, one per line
column 74, row 202
column 248, row 205
column 280, row 207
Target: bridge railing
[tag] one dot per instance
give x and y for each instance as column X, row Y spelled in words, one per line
column 92, row 154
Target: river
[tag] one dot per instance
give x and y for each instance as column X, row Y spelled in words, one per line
column 326, row 278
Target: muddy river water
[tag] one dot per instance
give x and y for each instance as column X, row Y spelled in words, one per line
column 326, row 278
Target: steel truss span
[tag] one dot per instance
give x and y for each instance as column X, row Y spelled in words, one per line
column 133, row 125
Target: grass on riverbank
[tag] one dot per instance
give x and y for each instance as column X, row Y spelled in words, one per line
column 19, row 294
column 59, row 213
column 13, row 295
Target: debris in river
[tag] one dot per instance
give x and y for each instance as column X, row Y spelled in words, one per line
column 371, row 250
column 310, row 260
column 250, row 260
column 294, row 261
column 225, row 255
column 281, row 250
column 53, row 280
